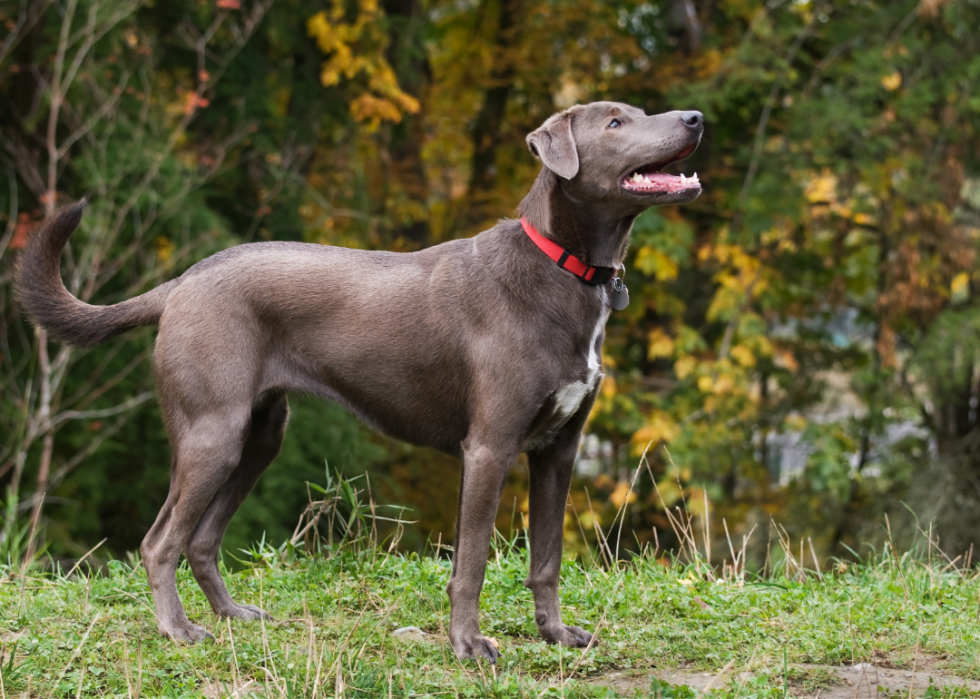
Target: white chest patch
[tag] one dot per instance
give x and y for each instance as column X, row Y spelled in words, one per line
column 569, row 397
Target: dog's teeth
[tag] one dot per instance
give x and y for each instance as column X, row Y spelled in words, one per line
column 637, row 177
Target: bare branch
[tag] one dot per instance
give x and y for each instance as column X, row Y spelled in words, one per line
column 97, row 116
column 56, row 98
column 30, row 12
column 59, row 474
column 136, row 400
column 8, row 234
column 108, row 385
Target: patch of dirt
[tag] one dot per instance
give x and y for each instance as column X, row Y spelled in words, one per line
column 861, row 681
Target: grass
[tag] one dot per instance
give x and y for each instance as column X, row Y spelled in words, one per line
column 334, row 618
column 774, row 635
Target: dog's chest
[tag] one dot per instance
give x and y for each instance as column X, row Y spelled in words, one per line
column 568, row 398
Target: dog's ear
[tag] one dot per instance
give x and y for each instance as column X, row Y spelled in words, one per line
column 555, row 145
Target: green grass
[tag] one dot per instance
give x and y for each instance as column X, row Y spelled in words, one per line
column 334, row 617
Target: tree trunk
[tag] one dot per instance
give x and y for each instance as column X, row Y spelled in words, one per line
column 407, row 178
column 487, row 128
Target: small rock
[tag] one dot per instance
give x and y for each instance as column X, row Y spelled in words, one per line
column 409, row 633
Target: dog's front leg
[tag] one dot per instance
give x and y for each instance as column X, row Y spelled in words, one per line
column 550, row 471
column 485, row 471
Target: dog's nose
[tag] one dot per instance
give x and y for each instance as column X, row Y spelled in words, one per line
column 693, row 120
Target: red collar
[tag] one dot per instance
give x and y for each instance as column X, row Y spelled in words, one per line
column 566, row 260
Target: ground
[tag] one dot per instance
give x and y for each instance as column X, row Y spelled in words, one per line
column 673, row 629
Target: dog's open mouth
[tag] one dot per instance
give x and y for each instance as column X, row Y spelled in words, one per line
column 649, row 178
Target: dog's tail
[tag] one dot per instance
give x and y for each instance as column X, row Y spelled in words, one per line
column 48, row 303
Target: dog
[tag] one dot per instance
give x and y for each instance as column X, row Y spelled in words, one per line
column 482, row 348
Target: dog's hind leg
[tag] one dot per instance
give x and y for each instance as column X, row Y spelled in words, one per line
column 485, row 469
column 206, row 451
column 266, row 431
column 550, row 472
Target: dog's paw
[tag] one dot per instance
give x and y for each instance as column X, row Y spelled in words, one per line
column 571, row 636
column 186, row 632
column 246, row 612
column 476, row 646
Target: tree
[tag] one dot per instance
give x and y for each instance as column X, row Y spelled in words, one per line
column 93, row 116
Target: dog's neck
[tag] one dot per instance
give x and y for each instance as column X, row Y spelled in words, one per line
column 594, row 234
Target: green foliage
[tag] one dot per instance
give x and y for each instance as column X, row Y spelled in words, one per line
column 948, row 353
column 828, row 463
column 659, row 688
column 317, row 432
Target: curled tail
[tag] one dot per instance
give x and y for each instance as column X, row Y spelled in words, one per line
column 49, row 304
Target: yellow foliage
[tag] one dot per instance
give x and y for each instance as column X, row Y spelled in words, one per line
column 717, row 383
column 723, row 384
column 368, row 108
column 604, row 482
column 165, row 249
column 684, row 366
column 780, row 232
column 725, row 299
column 708, row 62
column 660, row 427
column 619, row 495
column 742, row 279
column 696, row 500
column 650, row 260
column 356, row 49
column 743, row 355
column 608, row 386
column 795, row 422
column 660, row 344
column 892, row 81
column 822, row 188
column 960, row 286
column 670, row 491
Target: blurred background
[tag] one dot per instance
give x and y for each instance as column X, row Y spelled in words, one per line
column 803, row 342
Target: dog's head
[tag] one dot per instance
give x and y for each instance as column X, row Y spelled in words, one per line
column 615, row 152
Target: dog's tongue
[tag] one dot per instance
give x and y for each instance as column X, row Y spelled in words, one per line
column 661, row 182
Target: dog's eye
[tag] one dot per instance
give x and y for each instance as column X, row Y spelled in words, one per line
column 614, row 124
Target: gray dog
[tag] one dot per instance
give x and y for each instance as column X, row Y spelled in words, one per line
column 481, row 348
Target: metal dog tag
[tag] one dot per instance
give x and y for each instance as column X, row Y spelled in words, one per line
column 620, row 295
